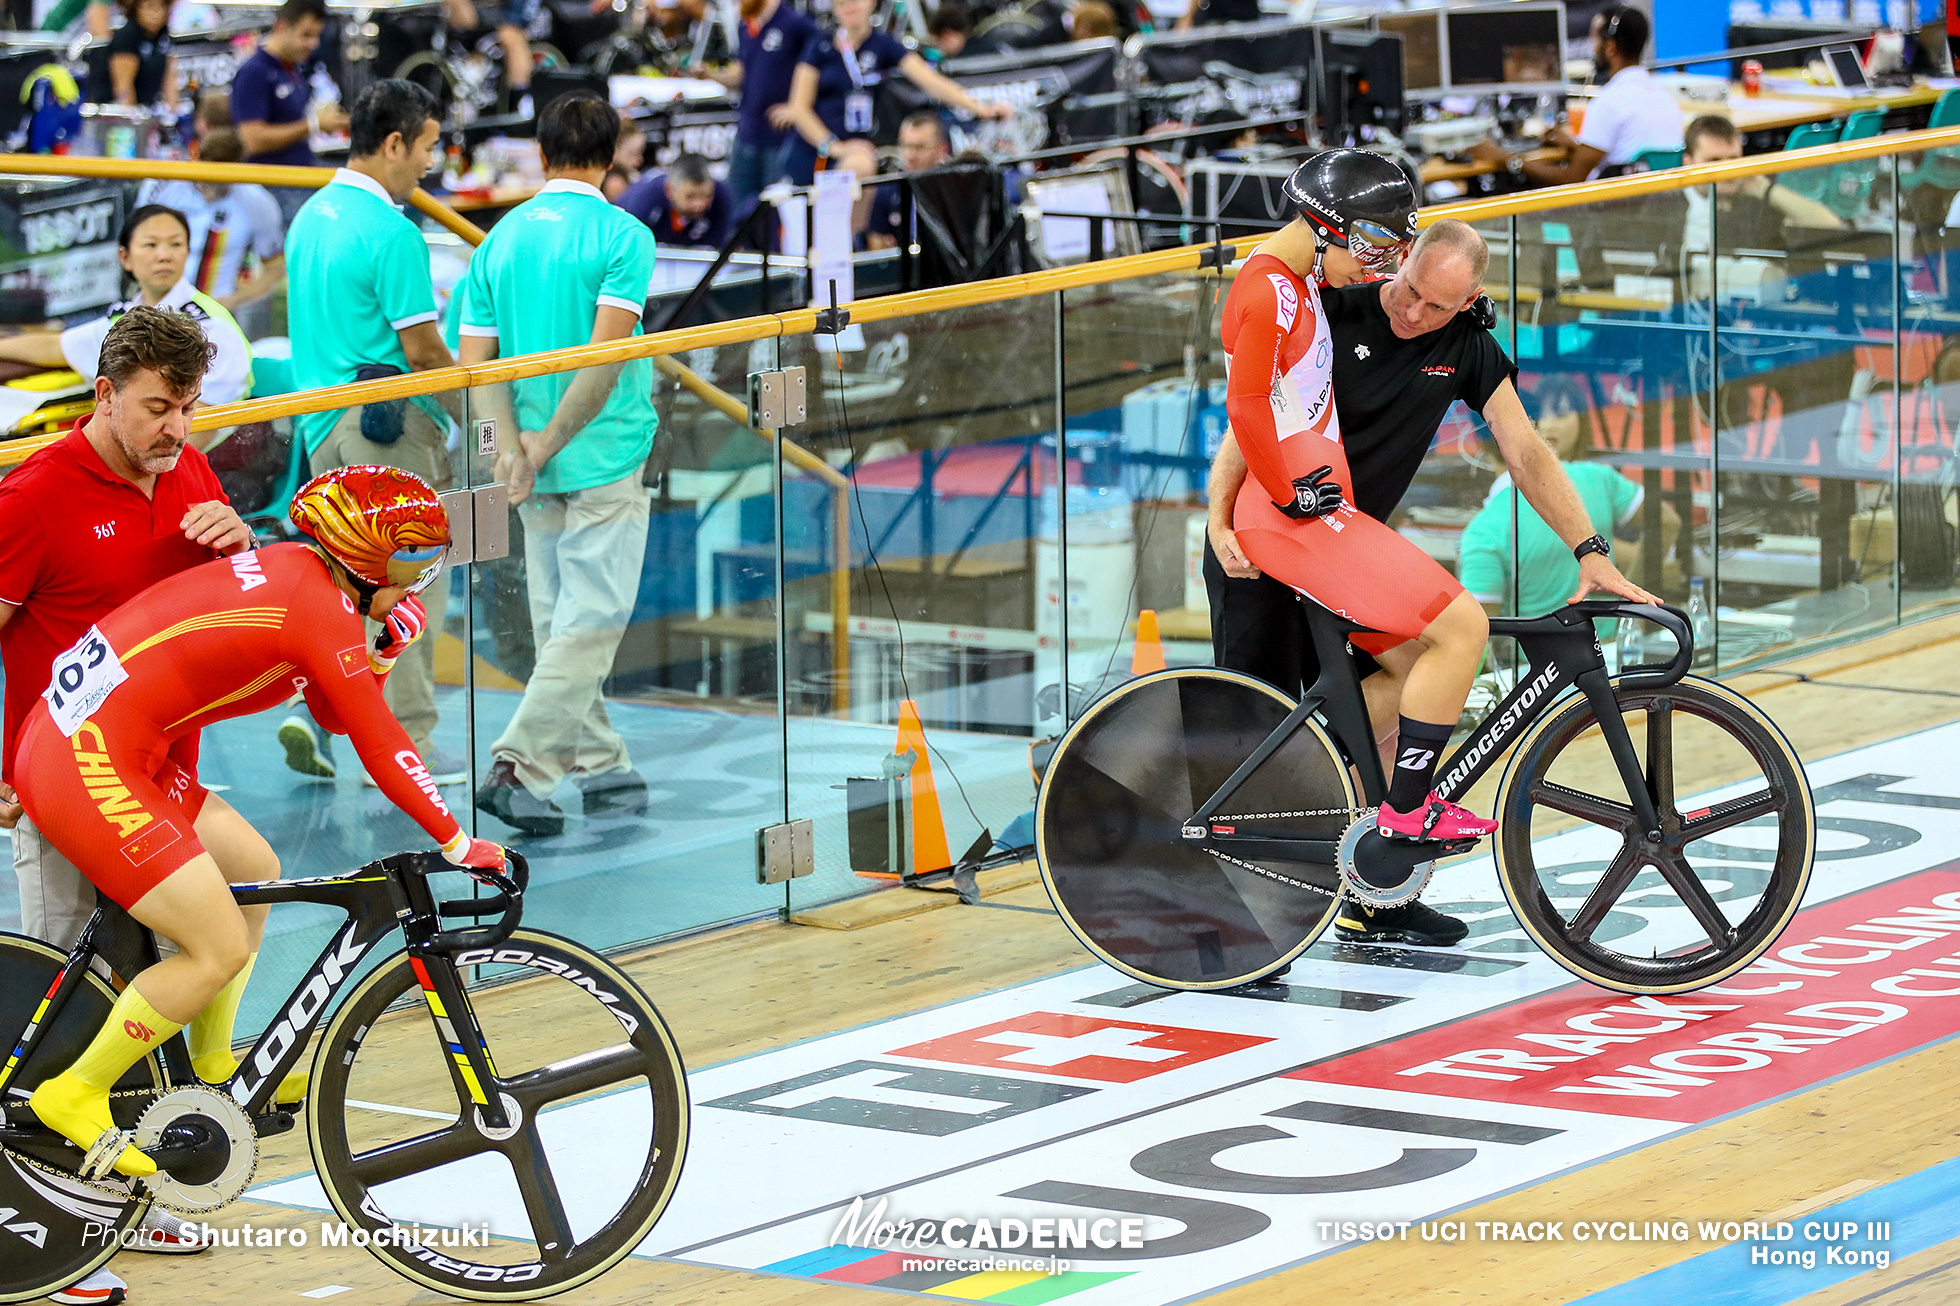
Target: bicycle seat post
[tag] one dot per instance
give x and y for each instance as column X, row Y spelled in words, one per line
column 1340, row 700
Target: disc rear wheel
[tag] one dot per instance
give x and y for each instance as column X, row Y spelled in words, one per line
column 1114, row 801
column 57, row 1229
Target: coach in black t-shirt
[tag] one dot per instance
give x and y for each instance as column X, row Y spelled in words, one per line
column 1404, row 350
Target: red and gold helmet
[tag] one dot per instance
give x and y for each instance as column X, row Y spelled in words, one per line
column 383, row 524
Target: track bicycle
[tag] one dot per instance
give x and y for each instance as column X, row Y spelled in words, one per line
column 1197, row 829
column 492, row 1122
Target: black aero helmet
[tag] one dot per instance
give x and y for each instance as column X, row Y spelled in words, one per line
column 1357, row 200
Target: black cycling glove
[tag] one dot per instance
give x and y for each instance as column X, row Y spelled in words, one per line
column 1483, row 312
column 1313, row 496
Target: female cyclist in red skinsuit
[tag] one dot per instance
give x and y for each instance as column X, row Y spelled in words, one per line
column 1356, row 212
column 221, row 640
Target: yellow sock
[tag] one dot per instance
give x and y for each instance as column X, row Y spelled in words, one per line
column 210, row 1031
column 75, row 1103
column 210, row 1039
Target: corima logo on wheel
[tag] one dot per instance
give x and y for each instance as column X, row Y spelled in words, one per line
column 525, row 957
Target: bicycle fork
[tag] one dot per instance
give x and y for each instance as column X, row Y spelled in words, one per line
column 1598, row 689
column 468, row 1055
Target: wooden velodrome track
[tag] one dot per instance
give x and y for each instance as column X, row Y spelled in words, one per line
column 758, row 987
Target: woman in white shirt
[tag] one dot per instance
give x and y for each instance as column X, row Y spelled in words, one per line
column 153, row 248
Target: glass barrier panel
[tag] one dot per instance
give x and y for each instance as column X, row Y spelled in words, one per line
column 623, row 656
column 913, row 555
column 308, row 791
column 1928, row 397
column 1805, row 404
column 1613, row 352
column 1145, row 399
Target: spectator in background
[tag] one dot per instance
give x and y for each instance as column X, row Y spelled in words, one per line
column 683, row 206
column 1090, row 19
column 629, row 159
column 950, row 29
column 768, row 46
column 513, row 34
column 1531, row 572
column 142, row 70
column 361, row 306
column 837, row 76
column 152, row 248
column 229, row 223
column 574, row 465
column 272, row 97
column 1631, row 114
column 922, row 144
column 1199, row 13
column 1755, row 210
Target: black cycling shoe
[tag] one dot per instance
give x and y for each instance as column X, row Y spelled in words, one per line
column 1412, row 923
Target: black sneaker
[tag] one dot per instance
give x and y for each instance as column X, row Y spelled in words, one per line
column 623, row 792
column 504, row 796
column 1412, row 923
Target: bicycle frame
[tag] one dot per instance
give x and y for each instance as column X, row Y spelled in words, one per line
column 381, row 896
column 1562, row 651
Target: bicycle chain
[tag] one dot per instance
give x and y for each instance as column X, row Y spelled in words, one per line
column 118, row 1195
column 1351, row 812
column 1273, row 875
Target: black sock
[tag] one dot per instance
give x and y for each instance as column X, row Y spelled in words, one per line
column 1415, row 763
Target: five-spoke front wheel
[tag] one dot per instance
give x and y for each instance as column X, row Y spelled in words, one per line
column 1733, row 871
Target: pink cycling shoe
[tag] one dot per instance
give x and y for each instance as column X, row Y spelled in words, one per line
column 1435, row 820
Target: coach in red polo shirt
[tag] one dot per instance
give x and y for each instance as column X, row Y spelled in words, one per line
column 119, row 503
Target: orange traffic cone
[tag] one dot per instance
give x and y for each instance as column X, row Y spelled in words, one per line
column 930, row 851
column 1149, row 655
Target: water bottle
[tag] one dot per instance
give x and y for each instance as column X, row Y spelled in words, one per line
column 1700, row 621
column 1629, row 643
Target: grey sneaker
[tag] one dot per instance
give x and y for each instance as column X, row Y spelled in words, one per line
column 309, row 749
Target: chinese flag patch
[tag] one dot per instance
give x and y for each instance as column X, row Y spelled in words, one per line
column 353, row 661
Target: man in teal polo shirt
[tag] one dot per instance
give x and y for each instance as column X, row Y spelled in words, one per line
column 1545, row 572
column 574, row 459
column 360, row 305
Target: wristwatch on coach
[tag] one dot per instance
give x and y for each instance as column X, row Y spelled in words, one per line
column 1592, row 544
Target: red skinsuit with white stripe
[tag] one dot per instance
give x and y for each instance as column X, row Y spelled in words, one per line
column 1280, row 399
column 224, row 639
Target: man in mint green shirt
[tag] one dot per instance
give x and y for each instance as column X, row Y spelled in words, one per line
column 572, row 447
column 360, row 302
column 1546, row 572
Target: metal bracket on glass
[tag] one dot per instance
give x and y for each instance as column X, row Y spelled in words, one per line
column 1217, row 254
column 777, row 399
column 786, row 851
column 479, row 523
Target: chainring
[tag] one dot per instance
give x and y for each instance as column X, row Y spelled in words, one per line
column 1372, row 895
column 221, row 1121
